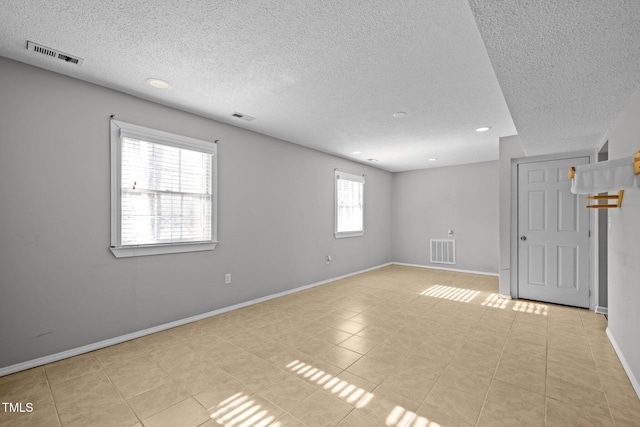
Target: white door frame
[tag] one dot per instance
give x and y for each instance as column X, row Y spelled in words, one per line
column 513, row 240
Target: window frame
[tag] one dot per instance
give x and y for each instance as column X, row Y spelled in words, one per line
column 349, row 177
column 120, row 130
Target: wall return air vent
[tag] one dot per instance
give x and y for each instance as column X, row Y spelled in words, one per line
column 443, row 251
column 47, row 51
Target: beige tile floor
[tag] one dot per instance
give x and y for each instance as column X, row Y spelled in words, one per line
column 398, row 346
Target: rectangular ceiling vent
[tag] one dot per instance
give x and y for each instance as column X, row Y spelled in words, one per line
column 443, row 251
column 43, row 50
column 243, row 116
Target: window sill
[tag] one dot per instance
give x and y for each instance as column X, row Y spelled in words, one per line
column 133, row 251
column 346, row 234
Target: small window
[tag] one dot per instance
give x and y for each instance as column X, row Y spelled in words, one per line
column 163, row 197
column 349, row 205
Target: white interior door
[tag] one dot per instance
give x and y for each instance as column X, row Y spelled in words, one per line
column 553, row 235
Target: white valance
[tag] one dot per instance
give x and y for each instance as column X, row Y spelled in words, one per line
column 601, row 177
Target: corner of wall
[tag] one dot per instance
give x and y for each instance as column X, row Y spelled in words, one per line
column 510, row 147
column 623, row 252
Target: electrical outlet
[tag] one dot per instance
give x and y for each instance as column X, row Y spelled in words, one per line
column 328, row 260
column 227, row 279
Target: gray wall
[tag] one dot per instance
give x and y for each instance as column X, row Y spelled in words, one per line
column 429, row 202
column 60, row 287
column 624, row 247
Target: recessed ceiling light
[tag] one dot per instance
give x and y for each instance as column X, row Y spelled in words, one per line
column 357, row 152
column 372, row 160
column 399, row 114
column 158, row 84
column 432, row 159
column 483, row 129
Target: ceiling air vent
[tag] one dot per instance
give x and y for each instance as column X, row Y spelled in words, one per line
column 43, row 50
column 243, row 116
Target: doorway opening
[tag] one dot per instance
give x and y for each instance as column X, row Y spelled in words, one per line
column 603, row 231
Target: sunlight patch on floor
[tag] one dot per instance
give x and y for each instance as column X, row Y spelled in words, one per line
column 498, row 301
column 240, row 410
column 451, row 293
column 530, row 307
column 400, row 417
column 334, row 385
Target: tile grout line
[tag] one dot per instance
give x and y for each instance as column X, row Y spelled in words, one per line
column 116, row 389
column 372, row 392
column 439, row 376
column 546, row 367
column 355, row 406
column 55, row 405
column 168, row 375
column 604, row 390
column 415, row 415
column 484, row 401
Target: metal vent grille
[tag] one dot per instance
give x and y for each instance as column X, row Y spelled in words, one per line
column 243, row 116
column 43, row 50
column 443, row 251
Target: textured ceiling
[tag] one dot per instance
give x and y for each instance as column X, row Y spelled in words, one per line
column 325, row 74
column 567, row 68
column 330, row 74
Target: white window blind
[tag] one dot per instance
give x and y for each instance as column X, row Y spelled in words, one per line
column 166, row 194
column 349, row 205
column 163, row 192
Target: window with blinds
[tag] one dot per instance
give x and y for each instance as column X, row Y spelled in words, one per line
column 163, row 197
column 349, row 205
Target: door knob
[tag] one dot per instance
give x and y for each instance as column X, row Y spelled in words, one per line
column 523, row 238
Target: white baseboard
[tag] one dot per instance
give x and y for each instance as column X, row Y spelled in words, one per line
column 484, row 273
column 601, row 310
column 634, row 381
column 120, row 339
